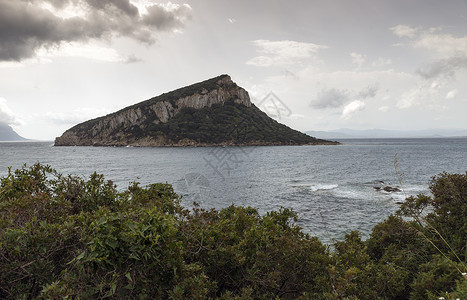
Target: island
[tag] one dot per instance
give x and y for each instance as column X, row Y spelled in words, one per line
column 215, row 112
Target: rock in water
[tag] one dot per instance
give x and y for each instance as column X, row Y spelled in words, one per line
column 212, row 112
column 389, row 189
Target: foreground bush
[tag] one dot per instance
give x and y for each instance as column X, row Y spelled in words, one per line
column 69, row 237
column 63, row 236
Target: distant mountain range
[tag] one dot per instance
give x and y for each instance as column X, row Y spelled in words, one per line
column 345, row 133
column 7, row 134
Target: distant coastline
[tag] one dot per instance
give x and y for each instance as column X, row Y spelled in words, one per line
column 7, row 134
column 345, row 133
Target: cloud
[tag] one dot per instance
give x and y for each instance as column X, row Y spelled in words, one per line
column 166, row 17
column 351, row 108
column 424, row 92
column 381, row 62
column 369, row 92
column 86, row 51
column 282, row 52
column 130, row 59
column 6, row 114
column 443, row 68
column 452, row 94
column 357, row 59
column 331, row 98
column 383, row 108
column 121, row 5
column 451, row 50
column 10, row 64
column 29, row 25
column 334, row 98
column 444, row 44
column 261, row 61
column 404, row 31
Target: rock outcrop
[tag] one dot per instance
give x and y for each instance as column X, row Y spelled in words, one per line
column 185, row 117
column 387, row 188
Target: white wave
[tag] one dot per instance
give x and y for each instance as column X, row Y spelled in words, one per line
column 314, row 187
column 321, row 187
column 352, row 193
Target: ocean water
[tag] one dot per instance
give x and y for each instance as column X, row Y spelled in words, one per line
column 330, row 187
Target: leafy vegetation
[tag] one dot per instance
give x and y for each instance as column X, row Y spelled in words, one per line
column 231, row 123
column 75, row 238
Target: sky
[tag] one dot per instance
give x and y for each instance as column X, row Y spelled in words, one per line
column 324, row 65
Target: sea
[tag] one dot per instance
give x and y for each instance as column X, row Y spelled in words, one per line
column 333, row 189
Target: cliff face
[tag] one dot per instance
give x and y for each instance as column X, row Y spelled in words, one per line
column 188, row 116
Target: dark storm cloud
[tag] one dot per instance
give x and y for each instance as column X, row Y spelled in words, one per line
column 25, row 25
column 162, row 19
column 123, row 6
column 443, row 68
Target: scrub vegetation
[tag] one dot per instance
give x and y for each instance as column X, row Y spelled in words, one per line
column 81, row 238
column 213, row 125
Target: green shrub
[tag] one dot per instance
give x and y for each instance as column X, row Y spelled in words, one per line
column 76, row 238
column 65, row 236
column 438, row 275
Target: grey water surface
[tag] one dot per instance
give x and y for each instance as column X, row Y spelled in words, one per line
column 330, row 187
